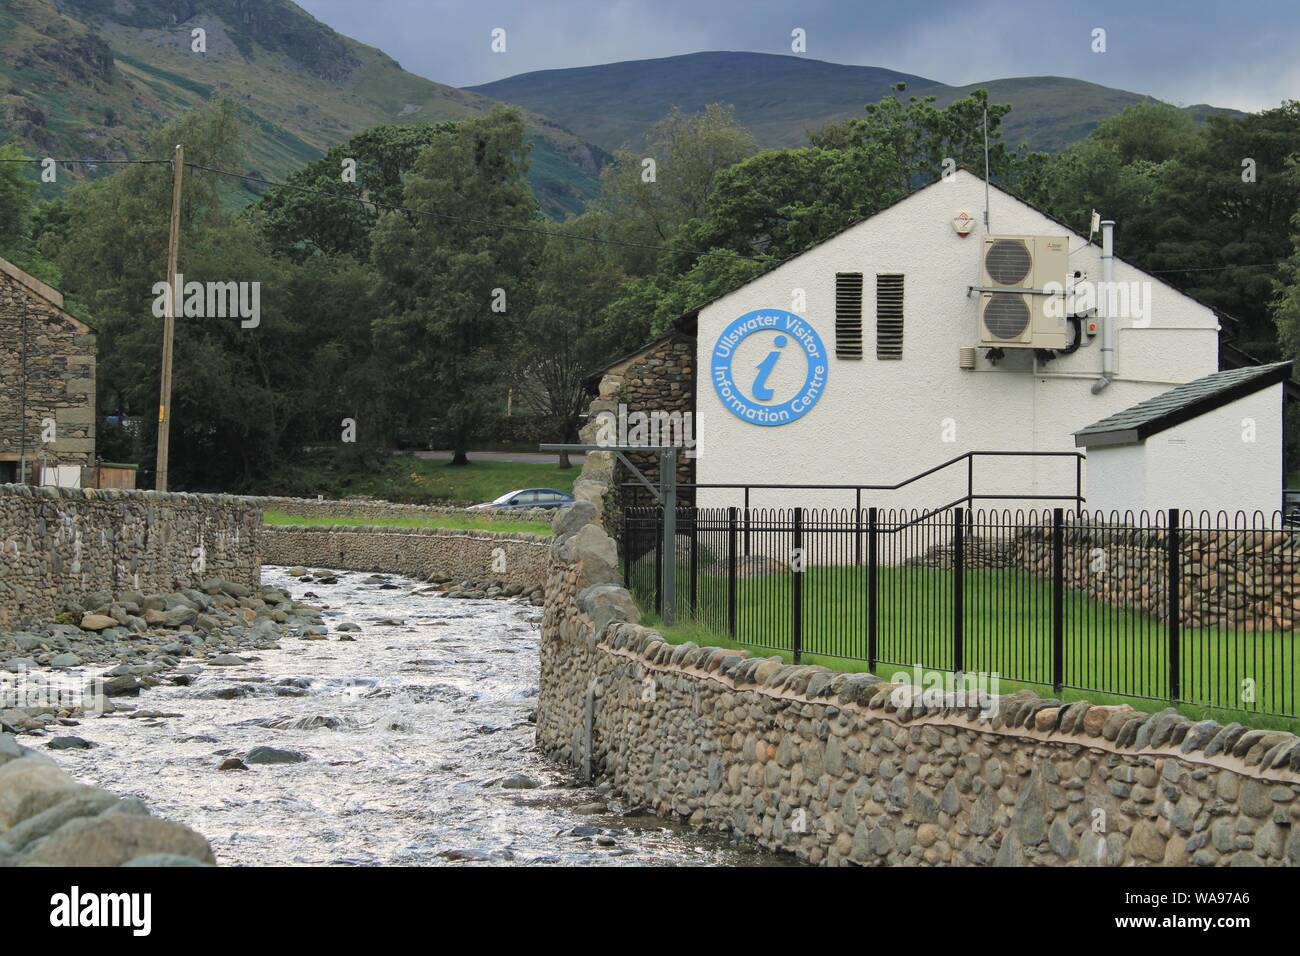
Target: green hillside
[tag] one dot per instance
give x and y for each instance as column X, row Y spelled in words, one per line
column 88, row 79
column 780, row 98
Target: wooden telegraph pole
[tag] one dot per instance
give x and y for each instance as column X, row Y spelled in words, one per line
column 169, row 325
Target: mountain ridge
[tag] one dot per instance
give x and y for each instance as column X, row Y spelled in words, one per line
column 780, row 97
column 91, row 80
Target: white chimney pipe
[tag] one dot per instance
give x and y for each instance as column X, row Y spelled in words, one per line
column 1108, row 321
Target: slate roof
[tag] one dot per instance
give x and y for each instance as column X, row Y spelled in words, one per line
column 1181, row 404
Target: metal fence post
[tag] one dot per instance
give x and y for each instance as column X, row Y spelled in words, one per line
column 857, row 527
column 871, row 588
column 731, row 572
column 747, row 521
column 796, row 589
column 627, row 551
column 668, row 490
column 1175, row 607
column 1058, row 599
column 695, row 522
column 659, row 562
column 958, row 586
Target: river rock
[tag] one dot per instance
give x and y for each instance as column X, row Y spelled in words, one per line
column 97, row 622
column 90, row 803
column 272, row 755
column 519, row 781
column 226, row 660
column 70, row 743
column 30, row 785
column 115, row 839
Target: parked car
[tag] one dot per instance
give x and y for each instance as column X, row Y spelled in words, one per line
column 528, row 498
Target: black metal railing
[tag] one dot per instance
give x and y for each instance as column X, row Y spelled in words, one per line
column 634, row 494
column 1191, row 608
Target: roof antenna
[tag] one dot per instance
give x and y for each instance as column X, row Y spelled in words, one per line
column 986, row 167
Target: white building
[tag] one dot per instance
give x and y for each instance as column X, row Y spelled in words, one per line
column 919, row 392
column 1209, row 445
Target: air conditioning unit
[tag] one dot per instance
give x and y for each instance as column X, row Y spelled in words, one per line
column 1023, row 316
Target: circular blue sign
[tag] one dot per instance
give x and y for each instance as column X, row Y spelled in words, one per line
column 764, row 389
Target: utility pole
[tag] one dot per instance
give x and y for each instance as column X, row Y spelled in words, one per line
column 169, row 325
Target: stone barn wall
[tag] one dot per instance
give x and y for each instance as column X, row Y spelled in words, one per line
column 59, row 543
column 660, row 378
column 60, row 373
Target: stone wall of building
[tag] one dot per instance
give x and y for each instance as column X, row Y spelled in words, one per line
column 659, row 379
column 59, row 374
column 508, row 560
column 843, row 768
column 57, row 544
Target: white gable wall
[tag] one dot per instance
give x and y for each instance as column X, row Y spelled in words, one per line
column 1206, row 464
column 880, row 421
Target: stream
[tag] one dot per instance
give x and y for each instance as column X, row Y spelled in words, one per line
column 418, row 740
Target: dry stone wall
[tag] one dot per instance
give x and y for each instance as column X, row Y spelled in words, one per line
column 509, row 560
column 58, row 545
column 375, row 508
column 1241, row 578
column 843, row 768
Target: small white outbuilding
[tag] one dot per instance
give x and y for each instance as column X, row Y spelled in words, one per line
column 1211, row 441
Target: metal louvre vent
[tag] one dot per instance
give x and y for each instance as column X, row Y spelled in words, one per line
column 1007, row 262
column 889, row 316
column 848, row 315
column 1006, row 316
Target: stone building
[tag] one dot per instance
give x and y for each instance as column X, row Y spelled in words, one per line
column 657, row 380
column 47, row 384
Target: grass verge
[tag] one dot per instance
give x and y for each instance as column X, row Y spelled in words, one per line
column 410, row 480
column 454, row 522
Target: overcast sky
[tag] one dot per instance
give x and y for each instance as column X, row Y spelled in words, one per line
column 1244, row 54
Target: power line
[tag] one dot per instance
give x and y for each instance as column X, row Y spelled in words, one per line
column 90, row 162
column 1242, row 265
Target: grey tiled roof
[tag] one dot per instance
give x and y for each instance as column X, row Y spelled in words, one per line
column 1181, row 404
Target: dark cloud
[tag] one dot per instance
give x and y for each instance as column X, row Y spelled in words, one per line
column 1241, row 55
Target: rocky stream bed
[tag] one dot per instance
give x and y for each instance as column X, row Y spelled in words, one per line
column 331, row 718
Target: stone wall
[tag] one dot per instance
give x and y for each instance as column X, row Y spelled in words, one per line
column 375, row 508
column 60, row 374
column 60, row 544
column 1243, row 578
column 843, row 768
column 506, row 559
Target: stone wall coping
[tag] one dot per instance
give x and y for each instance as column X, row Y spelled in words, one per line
column 343, row 504
column 1271, row 755
column 122, row 494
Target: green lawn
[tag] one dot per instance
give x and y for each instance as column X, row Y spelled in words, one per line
column 451, row 521
column 404, row 478
column 1110, row 653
